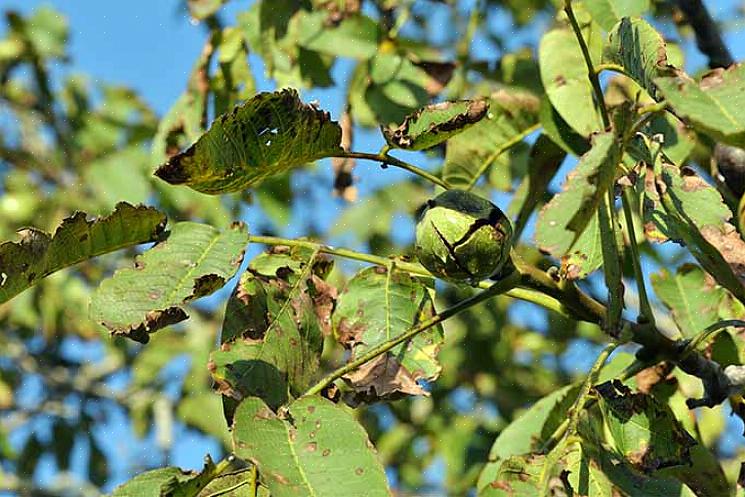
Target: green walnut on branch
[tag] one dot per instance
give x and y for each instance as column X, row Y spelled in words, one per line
column 463, row 238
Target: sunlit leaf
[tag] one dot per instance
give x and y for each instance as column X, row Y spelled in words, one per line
column 266, row 136
column 39, row 254
column 317, row 450
column 168, row 481
column 193, row 261
column 608, row 12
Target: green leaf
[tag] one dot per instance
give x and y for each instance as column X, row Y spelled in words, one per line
column 711, row 104
column 691, row 295
column 168, row 482
column 38, row 254
column 193, row 261
column 556, row 128
column 435, row 123
column 274, row 326
column 318, row 450
column 379, row 304
column 202, row 9
column 586, row 255
column 565, row 217
column 355, row 36
column 608, row 12
column 585, row 477
column 644, row 431
column 564, row 76
column 45, row 32
column 526, row 475
column 640, row 50
column 266, row 136
column 512, row 114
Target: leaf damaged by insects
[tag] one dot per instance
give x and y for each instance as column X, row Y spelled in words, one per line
column 274, row 326
column 192, row 261
column 376, row 305
column 265, row 136
column 433, row 124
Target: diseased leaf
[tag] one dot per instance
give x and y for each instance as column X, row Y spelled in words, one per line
column 565, row 217
column 711, row 104
column 376, row 305
column 644, row 431
column 266, row 136
column 692, row 296
column 470, row 153
column 38, row 254
column 586, row 255
column 640, row 50
column 608, row 12
column 193, row 261
column 317, row 450
column 564, row 76
column 435, row 123
column 526, row 475
column 274, row 326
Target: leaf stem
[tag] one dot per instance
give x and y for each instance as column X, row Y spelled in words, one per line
column 497, row 288
column 612, row 263
column 645, row 309
column 588, row 61
column 584, row 392
column 499, row 151
column 611, row 67
column 387, row 160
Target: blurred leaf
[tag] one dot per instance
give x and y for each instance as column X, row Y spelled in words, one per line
column 202, row 9
column 355, row 36
column 268, row 135
column 435, row 123
column 644, row 431
column 526, row 475
column 63, row 438
column 379, row 304
column 708, row 104
column 608, row 12
column 125, row 168
column 640, row 50
column 45, row 31
column 233, row 80
column 274, row 325
column 38, row 254
column 564, row 76
column 193, row 261
column 691, row 295
column 469, row 154
column 565, row 217
column 318, row 450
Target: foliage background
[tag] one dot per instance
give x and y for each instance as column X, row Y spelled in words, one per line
column 130, row 419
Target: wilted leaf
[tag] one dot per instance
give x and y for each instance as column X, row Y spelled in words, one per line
column 266, row 136
column 193, row 261
column 39, row 254
column 640, row 50
column 644, row 431
column 692, row 296
column 379, row 304
column 711, row 104
column 470, row 153
column 565, row 217
column 564, row 75
column 274, row 325
column 608, row 12
column 318, row 450
column 435, row 123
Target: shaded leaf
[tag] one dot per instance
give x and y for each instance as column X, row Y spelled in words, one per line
column 644, row 431
column 274, row 325
column 470, row 153
column 168, row 482
column 266, row 136
column 354, row 36
column 608, row 12
column 586, row 478
column 193, row 261
column 556, row 128
column 39, row 254
column 640, row 50
column 565, row 217
column 525, row 476
column 691, row 295
column 435, row 123
column 564, row 76
column 709, row 105
column 379, row 304
column 318, row 450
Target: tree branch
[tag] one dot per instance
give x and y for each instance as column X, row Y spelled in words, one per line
column 708, row 38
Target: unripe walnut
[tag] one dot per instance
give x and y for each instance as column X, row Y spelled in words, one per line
column 461, row 237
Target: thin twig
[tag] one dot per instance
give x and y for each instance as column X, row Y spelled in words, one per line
column 388, row 160
column 708, row 38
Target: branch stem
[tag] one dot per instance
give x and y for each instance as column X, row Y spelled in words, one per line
column 499, row 151
column 387, row 160
column 645, row 309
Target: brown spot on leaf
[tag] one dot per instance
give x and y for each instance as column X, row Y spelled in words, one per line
column 359, row 471
column 383, row 377
column 729, row 243
column 311, row 447
column 206, row 285
column 648, row 378
column 350, row 335
column 326, row 452
column 154, row 320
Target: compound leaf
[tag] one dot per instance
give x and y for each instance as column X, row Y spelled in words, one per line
column 193, row 261
column 265, row 136
column 40, row 254
column 317, row 450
